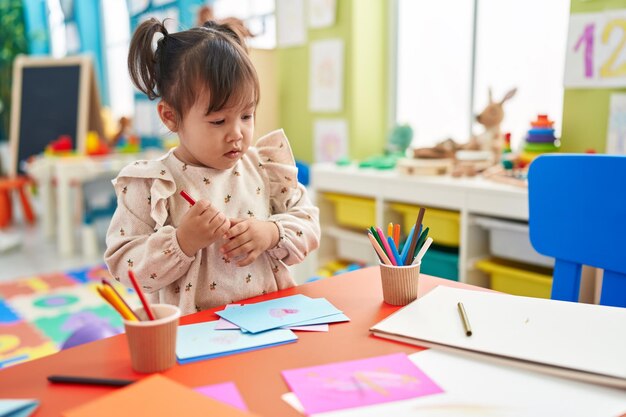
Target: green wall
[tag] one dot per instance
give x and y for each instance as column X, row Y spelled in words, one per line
column 362, row 25
column 586, row 111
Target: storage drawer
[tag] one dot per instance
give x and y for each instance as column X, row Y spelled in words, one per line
column 441, row 263
column 358, row 249
column 518, row 279
column 443, row 224
column 510, row 240
column 350, row 211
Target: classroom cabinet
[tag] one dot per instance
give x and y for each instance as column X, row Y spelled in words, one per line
column 377, row 197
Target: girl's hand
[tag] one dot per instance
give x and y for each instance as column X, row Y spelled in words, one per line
column 202, row 225
column 248, row 239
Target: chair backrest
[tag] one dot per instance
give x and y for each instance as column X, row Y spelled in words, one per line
column 577, row 214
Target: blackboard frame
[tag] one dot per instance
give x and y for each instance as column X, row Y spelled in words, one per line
column 87, row 107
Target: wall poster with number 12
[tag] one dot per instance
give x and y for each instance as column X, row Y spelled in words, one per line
column 596, row 50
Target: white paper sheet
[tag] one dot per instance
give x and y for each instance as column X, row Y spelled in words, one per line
column 330, row 137
column 556, row 335
column 321, row 13
column 478, row 388
column 290, row 23
column 326, row 76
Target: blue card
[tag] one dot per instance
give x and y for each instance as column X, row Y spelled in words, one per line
column 333, row 318
column 201, row 341
column 279, row 312
column 17, row 408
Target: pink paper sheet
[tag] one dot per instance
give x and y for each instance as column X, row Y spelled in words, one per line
column 226, row 392
column 359, row 383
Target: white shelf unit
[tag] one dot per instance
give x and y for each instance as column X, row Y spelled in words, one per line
column 470, row 197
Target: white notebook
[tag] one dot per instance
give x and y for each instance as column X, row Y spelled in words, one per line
column 582, row 341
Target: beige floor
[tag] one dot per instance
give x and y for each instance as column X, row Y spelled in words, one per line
column 34, row 254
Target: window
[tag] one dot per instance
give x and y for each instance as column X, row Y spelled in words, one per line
column 116, row 23
column 450, row 52
column 258, row 16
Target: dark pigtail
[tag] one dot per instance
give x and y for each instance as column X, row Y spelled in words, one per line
column 143, row 62
column 232, row 27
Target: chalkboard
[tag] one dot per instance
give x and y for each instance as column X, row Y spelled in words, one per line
column 51, row 97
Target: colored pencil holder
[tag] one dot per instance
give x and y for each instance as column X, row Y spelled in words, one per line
column 399, row 283
column 152, row 343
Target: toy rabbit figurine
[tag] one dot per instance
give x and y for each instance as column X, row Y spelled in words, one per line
column 490, row 118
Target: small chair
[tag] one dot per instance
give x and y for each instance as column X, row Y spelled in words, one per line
column 577, row 214
column 7, row 186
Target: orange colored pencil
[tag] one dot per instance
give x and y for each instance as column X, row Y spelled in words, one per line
column 396, row 235
column 116, row 303
column 142, row 297
column 109, row 285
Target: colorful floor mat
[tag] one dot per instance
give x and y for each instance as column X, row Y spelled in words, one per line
column 39, row 313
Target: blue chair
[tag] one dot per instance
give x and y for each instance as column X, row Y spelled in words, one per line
column 577, row 214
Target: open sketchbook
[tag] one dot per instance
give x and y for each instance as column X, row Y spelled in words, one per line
column 576, row 340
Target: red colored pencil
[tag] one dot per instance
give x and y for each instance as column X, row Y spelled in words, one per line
column 187, row 197
column 142, row 297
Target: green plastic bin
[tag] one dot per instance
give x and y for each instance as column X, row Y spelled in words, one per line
column 442, row 263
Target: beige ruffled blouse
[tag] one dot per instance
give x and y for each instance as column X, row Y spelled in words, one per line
column 142, row 233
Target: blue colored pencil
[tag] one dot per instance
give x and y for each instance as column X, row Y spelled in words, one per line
column 407, row 243
column 394, row 251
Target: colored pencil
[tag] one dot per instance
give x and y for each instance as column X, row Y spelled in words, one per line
column 110, row 297
column 187, row 197
column 422, row 251
column 379, row 250
column 108, row 284
column 385, row 245
column 396, row 235
column 83, row 380
column 142, row 297
column 394, row 251
column 375, row 233
column 420, row 242
column 418, row 224
column 405, row 248
column 390, row 229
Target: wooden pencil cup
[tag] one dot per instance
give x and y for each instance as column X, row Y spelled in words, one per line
column 152, row 343
column 399, row 283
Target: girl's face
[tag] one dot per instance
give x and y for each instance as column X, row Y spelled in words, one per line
column 217, row 140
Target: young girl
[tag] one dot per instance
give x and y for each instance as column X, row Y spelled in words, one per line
column 251, row 217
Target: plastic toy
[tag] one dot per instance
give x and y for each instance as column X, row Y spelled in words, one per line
column 61, row 146
column 90, row 332
column 96, row 146
column 482, row 150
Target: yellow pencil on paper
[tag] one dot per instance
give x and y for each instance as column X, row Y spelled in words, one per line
column 379, row 250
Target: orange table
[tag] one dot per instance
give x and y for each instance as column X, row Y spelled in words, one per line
column 257, row 374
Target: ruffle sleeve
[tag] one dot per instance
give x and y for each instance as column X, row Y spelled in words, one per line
column 163, row 186
column 278, row 163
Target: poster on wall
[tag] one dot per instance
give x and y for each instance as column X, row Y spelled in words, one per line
column 290, row 23
column 326, row 76
column 330, row 139
column 596, row 50
column 616, row 132
column 322, row 13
